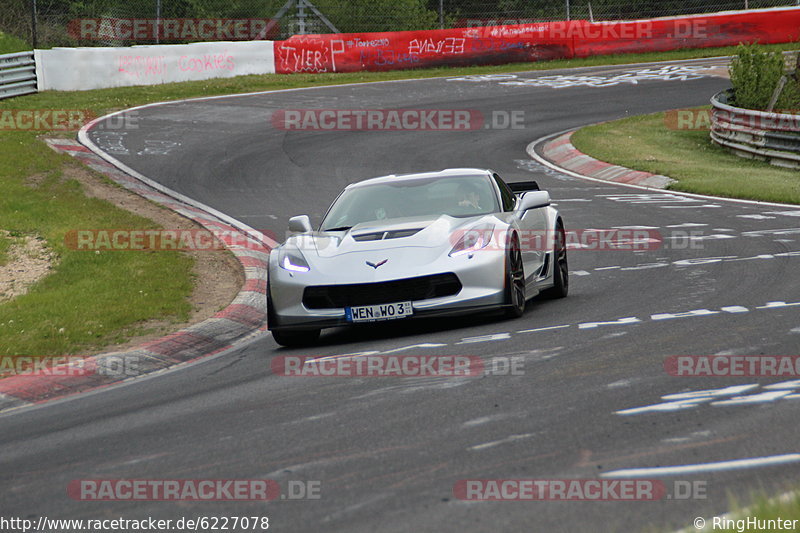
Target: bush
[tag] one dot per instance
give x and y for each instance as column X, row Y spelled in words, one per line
column 755, row 75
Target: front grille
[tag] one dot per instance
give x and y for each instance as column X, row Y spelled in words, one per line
column 401, row 290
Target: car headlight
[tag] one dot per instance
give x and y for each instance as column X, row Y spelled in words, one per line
column 473, row 240
column 293, row 261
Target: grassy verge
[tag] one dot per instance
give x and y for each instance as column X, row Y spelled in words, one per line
column 95, row 300
column 646, row 143
column 5, row 244
column 10, row 44
column 765, row 508
column 92, row 299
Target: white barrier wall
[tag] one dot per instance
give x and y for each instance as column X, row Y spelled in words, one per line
column 78, row 69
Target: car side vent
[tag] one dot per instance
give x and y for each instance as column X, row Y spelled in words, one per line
column 381, row 235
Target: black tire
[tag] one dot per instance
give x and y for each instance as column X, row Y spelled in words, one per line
column 515, row 281
column 292, row 338
column 560, row 289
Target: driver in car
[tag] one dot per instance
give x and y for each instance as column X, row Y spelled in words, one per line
column 468, row 196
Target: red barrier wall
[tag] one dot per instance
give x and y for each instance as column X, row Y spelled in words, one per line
column 699, row 31
column 351, row 52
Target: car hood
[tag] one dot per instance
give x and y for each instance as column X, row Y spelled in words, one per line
column 435, row 232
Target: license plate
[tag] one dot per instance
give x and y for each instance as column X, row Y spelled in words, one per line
column 371, row 313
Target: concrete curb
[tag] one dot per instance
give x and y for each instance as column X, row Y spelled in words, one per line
column 244, row 319
column 561, row 152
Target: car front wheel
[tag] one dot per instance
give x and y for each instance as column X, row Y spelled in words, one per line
column 560, row 266
column 515, row 280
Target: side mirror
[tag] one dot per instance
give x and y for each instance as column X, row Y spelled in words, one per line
column 534, row 199
column 300, row 224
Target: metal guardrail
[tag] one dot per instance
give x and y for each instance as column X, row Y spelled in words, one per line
column 772, row 137
column 17, row 74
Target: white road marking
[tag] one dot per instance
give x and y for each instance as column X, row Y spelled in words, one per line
column 688, row 206
column 684, row 314
column 579, row 273
column 776, row 305
column 756, row 217
column 764, row 397
column 664, row 406
column 702, row 260
column 412, row 346
column 485, row 338
column 721, row 466
column 482, row 420
column 795, row 213
column 618, row 322
column 344, row 355
column 648, row 198
column 711, row 393
column 794, row 384
column 694, row 435
column 735, row 309
column 492, row 444
column 687, row 225
column 763, row 256
column 634, row 227
column 711, row 237
column 608, row 268
column 646, row 266
column 781, row 231
column 544, row 329
column 686, row 400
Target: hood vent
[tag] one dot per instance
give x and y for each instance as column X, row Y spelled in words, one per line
column 383, row 235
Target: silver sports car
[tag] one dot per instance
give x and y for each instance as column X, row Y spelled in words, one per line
column 414, row 245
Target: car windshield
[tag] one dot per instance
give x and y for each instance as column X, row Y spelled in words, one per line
column 464, row 196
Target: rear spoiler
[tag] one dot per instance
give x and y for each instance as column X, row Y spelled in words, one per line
column 523, row 186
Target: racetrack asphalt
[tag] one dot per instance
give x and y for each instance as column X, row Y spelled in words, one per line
column 387, row 452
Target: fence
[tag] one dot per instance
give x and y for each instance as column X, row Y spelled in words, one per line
column 772, row 137
column 17, row 74
column 49, row 23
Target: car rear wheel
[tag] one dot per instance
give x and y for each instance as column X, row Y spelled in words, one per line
column 515, row 280
column 560, row 266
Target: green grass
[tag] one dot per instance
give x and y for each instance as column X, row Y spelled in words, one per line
column 5, row 244
column 646, row 143
column 10, row 44
column 765, row 508
column 92, row 300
